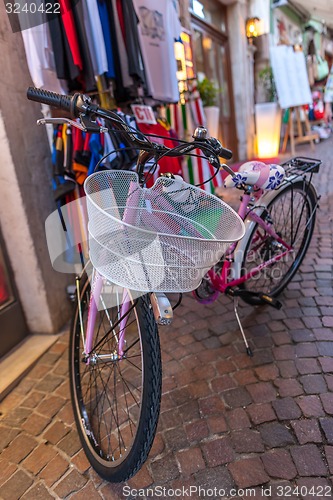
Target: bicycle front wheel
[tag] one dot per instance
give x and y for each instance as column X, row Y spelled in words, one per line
column 292, row 214
column 116, row 399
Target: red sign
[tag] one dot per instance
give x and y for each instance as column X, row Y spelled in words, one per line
column 143, row 114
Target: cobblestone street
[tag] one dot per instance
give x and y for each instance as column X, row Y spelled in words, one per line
column 227, row 420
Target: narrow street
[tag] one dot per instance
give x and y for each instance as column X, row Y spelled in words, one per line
column 227, row 421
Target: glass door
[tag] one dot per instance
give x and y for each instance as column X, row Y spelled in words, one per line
column 211, row 54
column 12, row 323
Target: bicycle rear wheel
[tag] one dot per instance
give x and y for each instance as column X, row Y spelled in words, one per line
column 116, row 401
column 292, row 213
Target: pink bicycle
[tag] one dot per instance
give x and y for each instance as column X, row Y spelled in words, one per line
column 170, row 238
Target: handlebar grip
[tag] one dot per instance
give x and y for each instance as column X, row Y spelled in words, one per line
column 225, row 153
column 63, row 102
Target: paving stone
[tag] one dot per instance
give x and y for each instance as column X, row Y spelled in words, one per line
column 223, row 383
column 54, row 470
column 288, row 387
column 238, row 419
column 326, row 364
column 88, row 492
column 16, row 417
column 248, row 472
column 327, row 401
column 313, row 384
column 176, row 438
column 278, row 464
column 262, row 392
column 237, row 397
column 215, row 478
column 311, row 406
column 7, row 470
column 71, row 483
column 260, row 413
column 165, row 469
column 307, row 366
column 197, row 431
column 244, row 377
column 284, row 352
column 80, row 461
column 16, row 486
column 35, row 424
column 247, row 441
column 287, row 369
column 38, row 492
column 19, row 448
column 189, row 412
column 33, row 399
column 142, row 479
column 275, row 435
column 6, row 436
column 56, row 432
column 218, row 452
column 267, row 372
column 39, row 458
column 307, row 431
column 286, row 409
column 190, row 461
column 306, row 350
column 213, row 405
column 308, row 460
column 327, row 426
column 315, row 486
column 323, row 333
column 70, row 444
column 325, row 348
column 217, row 424
column 50, row 406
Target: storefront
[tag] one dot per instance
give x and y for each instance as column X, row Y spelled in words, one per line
column 220, row 53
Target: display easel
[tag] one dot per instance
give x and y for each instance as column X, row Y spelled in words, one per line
column 299, row 136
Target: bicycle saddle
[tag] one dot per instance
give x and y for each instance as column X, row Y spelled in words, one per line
column 256, row 173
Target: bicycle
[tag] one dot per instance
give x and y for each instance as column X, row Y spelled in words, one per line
column 115, row 359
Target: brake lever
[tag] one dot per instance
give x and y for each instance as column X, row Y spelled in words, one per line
column 97, row 129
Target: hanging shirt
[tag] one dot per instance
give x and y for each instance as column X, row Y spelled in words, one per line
column 105, row 22
column 127, row 80
column 133, row 48
column 95, row 36
column 70, row 29
column 39, row 54
column 159, row 27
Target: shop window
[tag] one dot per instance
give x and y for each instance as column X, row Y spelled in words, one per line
column 210, row 11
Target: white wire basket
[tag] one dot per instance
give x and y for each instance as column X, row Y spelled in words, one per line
column 163, row 238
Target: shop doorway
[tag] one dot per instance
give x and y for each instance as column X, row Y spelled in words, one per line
column 211, row 54
column 13, row 327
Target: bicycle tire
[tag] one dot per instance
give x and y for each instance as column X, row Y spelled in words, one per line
column 301, row 199
column 99, row 416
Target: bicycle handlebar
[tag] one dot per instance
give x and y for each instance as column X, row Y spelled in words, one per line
column 81, row 105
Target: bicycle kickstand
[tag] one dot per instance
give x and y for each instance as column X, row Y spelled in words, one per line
column 248, row 348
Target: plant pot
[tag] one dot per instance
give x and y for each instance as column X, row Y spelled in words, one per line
column 212, row 119
column 268, row 129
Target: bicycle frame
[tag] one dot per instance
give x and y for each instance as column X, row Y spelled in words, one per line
column 222, row 281
column 251, row 215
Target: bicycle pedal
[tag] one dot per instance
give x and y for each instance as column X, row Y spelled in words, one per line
column 270, row 300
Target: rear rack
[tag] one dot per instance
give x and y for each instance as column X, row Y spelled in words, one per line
column 301, row 165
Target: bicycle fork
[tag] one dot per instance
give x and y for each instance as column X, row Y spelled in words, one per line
column 160, row 304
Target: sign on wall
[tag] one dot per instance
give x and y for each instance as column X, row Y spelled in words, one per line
column 290, row 75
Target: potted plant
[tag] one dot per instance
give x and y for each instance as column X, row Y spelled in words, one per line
column 209, row 92
column 267, row 115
